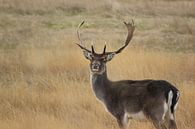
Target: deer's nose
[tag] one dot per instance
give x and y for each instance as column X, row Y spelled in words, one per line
column 95, row 66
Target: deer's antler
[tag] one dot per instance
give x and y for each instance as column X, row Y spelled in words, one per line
column 79, row 38
column 130, row 28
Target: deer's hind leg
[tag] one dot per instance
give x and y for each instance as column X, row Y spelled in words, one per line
column 158, row 122
column 157, row 115
column 170, row 121
column 159, row 125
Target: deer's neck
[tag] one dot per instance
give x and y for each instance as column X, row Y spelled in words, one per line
column 100, row 85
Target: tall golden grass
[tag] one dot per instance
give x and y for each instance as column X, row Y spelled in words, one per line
column 50, row 88
column 44, row 78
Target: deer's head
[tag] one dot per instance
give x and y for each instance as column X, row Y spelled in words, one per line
column 98, row 61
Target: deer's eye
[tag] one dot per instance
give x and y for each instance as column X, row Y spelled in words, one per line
column 92, row 56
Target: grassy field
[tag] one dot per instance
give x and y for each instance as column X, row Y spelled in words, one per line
column 44, row 78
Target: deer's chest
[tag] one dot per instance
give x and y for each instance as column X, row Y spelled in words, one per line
column 98, row 87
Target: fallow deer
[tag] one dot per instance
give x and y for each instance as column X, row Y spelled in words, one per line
column 155, row 100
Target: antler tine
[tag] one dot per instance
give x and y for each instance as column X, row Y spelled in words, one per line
column 92, row 49
column 104, row 50
column 130, row 28
column 78, row 35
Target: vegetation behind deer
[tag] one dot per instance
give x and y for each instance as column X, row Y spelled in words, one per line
column 44, row 79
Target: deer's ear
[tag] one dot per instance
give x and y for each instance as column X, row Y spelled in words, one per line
column 88, row 55
column 110, row 56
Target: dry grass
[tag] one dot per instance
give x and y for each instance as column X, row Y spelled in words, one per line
column 39, row 89
column 44, row 78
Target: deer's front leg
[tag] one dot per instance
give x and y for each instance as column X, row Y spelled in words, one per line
column 123, row 121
